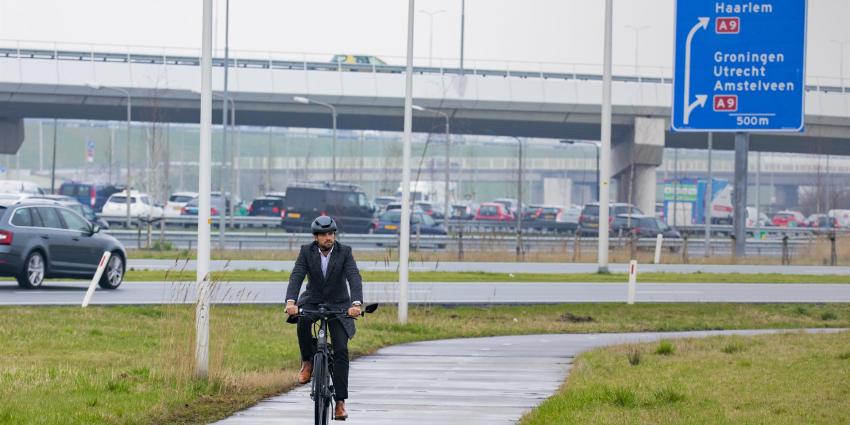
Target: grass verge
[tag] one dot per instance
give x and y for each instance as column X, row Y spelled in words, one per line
column 132, row 365
column 792, row 378
column 381, row 276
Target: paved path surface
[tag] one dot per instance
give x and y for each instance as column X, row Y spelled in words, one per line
column 437, row 293
column 487, row 381
column 501, row 267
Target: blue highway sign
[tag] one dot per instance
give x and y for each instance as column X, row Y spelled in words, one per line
column 739, row 65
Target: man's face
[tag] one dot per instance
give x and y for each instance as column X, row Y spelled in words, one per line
column 326, row 240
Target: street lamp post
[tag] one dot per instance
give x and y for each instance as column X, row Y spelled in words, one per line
column 307, row 101
column 431, row 32
column 520, row 253
column 596, row 146
column 448, row 158
column 129, row 118
column 221, row 217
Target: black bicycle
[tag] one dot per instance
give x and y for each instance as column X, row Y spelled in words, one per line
column 322, row 391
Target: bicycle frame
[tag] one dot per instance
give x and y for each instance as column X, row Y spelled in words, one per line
column 322, row 392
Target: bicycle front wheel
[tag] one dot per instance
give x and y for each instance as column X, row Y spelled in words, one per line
column 321, row 390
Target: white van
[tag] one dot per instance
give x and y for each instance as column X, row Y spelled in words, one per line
column 842, row 217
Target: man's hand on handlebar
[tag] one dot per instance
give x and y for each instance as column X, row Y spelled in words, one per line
column 354, row 311
column 291, row 308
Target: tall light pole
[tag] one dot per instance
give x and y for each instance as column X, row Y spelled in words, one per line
column 307, row 101
column 605, row 155
column 841, row 45
column 462, row 28
column 129, row 118
column 596, row 148
column 202, row 309
column 404, row 237
column 224, row 99
column 448, row 158
column 221, row 186
column 520, row 254
column 637, row 29
column 431, row 32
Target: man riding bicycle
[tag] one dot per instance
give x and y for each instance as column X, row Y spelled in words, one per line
column 327, row 264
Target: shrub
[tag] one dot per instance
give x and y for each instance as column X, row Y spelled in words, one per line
column 634, row 356
column 665, row 348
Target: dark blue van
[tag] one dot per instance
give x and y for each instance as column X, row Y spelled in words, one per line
column 92, row 194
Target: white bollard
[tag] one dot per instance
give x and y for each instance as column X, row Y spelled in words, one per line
column 632, row 281
column 103, row 260
column 658, row 241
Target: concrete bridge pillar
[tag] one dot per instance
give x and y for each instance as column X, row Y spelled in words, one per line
column 634, row 159
column 11, row 135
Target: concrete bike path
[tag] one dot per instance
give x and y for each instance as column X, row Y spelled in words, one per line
column 459, row 381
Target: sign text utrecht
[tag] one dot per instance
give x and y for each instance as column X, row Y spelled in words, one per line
column 739, row 65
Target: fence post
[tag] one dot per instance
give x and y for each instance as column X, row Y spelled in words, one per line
column 786, row 258
column 833, row 254
column 685, row 248
column 632, row 242
column 460, row 243
column 734, row 246
column 577, row 247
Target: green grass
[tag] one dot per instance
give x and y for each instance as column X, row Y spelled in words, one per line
column 381, row 276
column 792, row 378
column 132, row 365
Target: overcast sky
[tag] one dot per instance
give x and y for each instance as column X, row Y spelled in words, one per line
column 563, row 31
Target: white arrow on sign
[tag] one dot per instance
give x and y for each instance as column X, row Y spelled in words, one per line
column 702, row 23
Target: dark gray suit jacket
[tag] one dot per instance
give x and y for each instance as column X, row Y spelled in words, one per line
column 326, row 290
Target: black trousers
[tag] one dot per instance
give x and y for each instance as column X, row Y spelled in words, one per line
column 339, row 340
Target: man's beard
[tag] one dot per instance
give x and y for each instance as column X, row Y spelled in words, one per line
column 326, row 247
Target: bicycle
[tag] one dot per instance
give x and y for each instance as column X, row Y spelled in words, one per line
column 322, row 392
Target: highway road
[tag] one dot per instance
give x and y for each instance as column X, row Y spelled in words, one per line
column 71, row 293
column 503, row 267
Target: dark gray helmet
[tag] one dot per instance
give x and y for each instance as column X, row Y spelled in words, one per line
column 323, row 224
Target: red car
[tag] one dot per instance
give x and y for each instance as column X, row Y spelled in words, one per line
column 493, row 211
column 788, row 219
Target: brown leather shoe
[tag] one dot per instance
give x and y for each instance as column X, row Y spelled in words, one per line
column 306, row 372
column 339, row 411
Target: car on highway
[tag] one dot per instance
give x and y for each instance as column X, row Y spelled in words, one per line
column 542, row 213
column 463, row 211
column 176, row 202
column 390, row 223
column 588, row 221
column 357, row 60
column 841, row 217
column 430, row 208
column 39, row 238
column 141, row 205
column 345, row 202
column 643, row 226
column 266, row 206
column 493, row 211
column 509, row 203
column 81, row 209
column 820, row 221
column 92, row 194
column 788, row 218
column 217, row 206
column 382, row 201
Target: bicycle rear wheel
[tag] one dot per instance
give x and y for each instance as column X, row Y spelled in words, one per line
column 321, row 399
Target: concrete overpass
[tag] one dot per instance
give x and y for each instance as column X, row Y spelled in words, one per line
column 53, row 84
